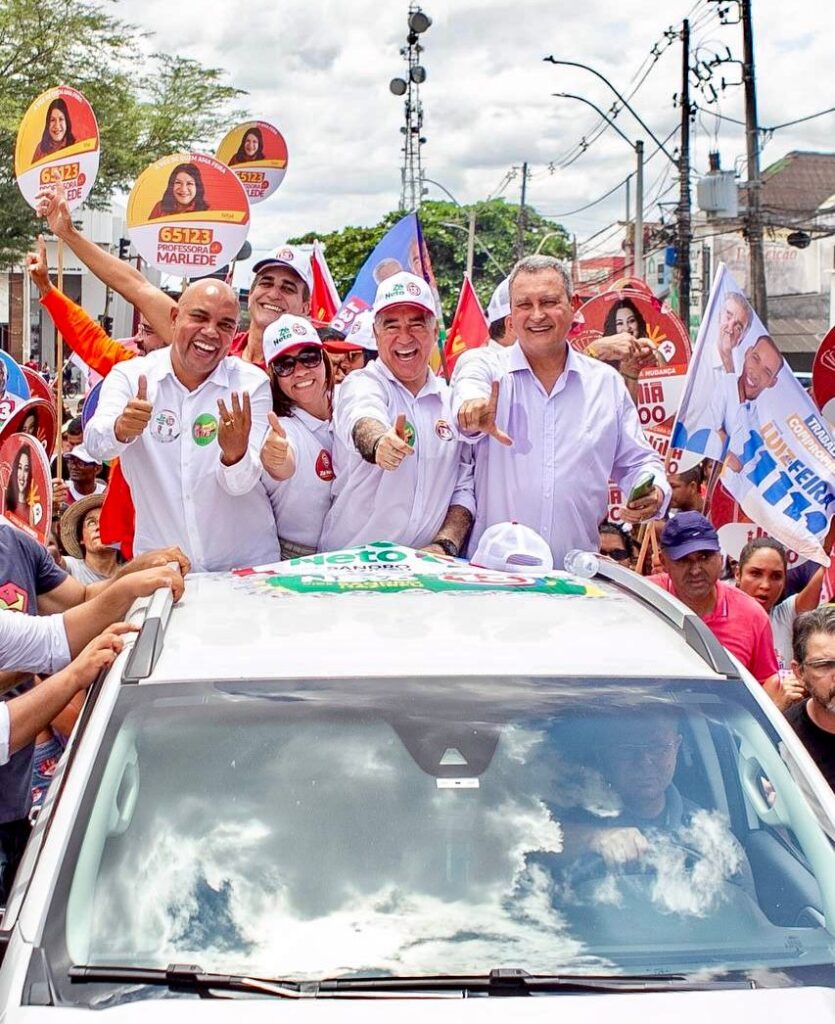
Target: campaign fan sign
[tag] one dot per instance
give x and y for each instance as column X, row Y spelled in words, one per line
column 58, row 143
column 257, row 153
column 14, row 387
column 385, row 567
column 743, row 406
column 401, row 248
column 26, row 491
column 91, row 403
column 823, row 376
column 188, row 214
column 38, row 387
column 35, row 417
column 645, row 317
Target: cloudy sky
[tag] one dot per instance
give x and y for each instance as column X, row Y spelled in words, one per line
column 320, row 70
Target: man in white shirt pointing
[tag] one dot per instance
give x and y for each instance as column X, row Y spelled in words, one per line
column 188, row 422
column 550, row 427
column 401, row 472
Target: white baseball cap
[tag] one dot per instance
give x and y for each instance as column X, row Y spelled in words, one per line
column 288, row 332
column 512, row 547
column 404, row 289
column 499, row 306
column 362, row 331
column 80, row 452
column 288, row 256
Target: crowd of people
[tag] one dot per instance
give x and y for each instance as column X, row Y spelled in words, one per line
column 229, row 448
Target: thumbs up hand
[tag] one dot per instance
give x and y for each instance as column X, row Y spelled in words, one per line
column 276, row 454
column 392, row 446
column 137, row 414
column 478, row 415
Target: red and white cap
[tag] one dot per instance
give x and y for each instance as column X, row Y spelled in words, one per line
column 512, row 547
column 80, row 452
column 361, row 333
column 286, row 333
column 404, row 289
column 288, row 256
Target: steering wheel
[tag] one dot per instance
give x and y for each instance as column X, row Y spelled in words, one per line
column 591, row 867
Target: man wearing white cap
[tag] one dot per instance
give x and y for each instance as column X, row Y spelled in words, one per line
column 352, row 351
column 498, row 311
column 551, row 427
column 282, row 282
column 402, row 474
column 83, row 470
column 187, row 422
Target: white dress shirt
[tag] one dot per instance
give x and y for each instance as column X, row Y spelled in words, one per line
column 567, row 445
column 301, row 503
column 183, row 494
column 29, row 643
column 409, row 504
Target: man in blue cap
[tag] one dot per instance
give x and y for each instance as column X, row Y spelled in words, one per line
column 692, row 561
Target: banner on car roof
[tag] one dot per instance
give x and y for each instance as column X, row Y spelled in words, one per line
column 385, row 568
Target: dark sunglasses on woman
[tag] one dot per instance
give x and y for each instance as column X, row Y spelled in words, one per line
column 310, row 358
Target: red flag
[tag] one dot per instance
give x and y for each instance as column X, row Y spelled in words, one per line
column 469, row 327
column 325, row 300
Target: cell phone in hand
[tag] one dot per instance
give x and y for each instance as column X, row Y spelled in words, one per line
column 642, row 488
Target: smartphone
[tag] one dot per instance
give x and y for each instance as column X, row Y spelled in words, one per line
column 642, row 488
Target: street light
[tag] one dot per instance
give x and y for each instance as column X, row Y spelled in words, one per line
column 638, row 146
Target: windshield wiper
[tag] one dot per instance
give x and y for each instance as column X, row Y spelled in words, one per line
column 513, row 981
column 186, row 977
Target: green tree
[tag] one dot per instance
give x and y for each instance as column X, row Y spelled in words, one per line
column 445, row 229
column 145, row 108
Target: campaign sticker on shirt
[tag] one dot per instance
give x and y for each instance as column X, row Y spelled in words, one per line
column 204, row 429
column 165, row 427
column 257, row 153
column 324, row 465
column 188, row 214
column 58, row 143
column 409, row 434
column 443, row 430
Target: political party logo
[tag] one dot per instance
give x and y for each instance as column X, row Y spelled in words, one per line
column 443, row 430
column 412, row 288
column 324, row 465
column 299, row 329
column 409, row 434
column 26, row 493
column 165, row 427
column 204, row 429
column 188, row 214
column 13, row 598
column 257, row 153
column 58, row 143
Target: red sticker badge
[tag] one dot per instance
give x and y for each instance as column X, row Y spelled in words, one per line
column 324, row 465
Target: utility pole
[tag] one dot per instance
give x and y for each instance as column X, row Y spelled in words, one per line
column 684, row 225
column 522, row 221
column 470, row 243
column 752, row 139
column 638, row 251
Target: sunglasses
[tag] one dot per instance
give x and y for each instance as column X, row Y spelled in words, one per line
column 619, row 556
column 310, row 358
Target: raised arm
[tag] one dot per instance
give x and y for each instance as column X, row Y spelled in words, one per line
column 117, row 274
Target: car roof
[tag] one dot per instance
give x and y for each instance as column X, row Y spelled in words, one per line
column 226, row 627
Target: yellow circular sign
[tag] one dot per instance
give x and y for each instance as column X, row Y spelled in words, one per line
column 257, row 153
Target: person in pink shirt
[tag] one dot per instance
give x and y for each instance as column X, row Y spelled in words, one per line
column 692, row 561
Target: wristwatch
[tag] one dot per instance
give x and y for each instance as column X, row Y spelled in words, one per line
column 448, row 546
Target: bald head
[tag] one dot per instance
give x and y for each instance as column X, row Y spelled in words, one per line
column 205, row 322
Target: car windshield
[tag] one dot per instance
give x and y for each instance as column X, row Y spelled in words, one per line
column 406, row 827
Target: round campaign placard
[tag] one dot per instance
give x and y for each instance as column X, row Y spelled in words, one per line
column 643, row 316
column 58, row 142
column 26, row 492
column 35, row 417
column 38, row 387
column 188, row 215
column 91, row 403
column 257, row 153
column 14, row 387
column 823, row 376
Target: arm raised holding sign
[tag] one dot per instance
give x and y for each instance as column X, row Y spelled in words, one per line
column 117, row 274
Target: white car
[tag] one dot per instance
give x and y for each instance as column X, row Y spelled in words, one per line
column 440, row 785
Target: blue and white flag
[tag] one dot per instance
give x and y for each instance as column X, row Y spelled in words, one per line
column 743, row 406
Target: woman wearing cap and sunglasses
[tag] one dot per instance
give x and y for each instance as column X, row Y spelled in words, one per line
column 296, row 454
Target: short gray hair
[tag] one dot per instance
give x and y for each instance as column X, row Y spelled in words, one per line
column 743, row 304
column 538, row 264
column 821, row 620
